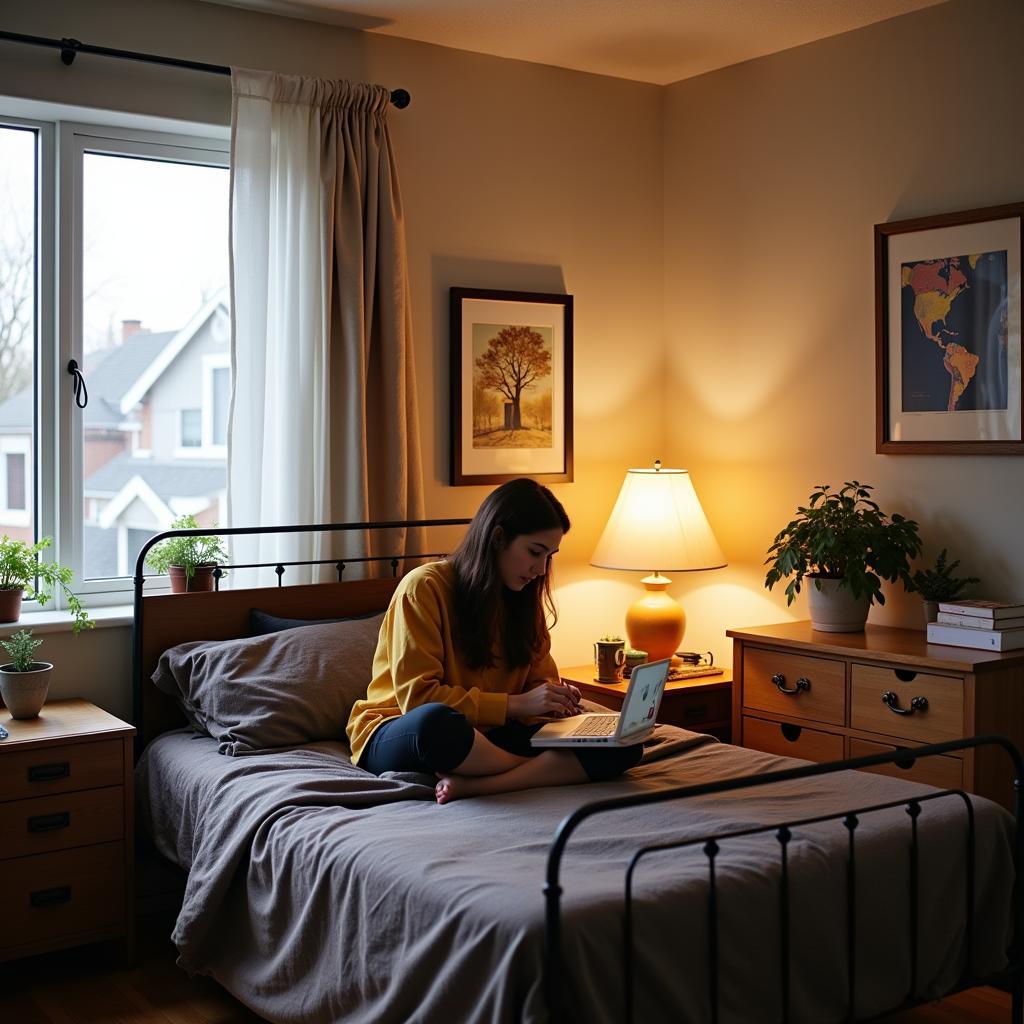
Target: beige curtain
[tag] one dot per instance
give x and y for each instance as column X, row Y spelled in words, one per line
column 324, row 421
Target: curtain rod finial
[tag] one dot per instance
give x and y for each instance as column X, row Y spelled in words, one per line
column 400, row 98
column 68, row 50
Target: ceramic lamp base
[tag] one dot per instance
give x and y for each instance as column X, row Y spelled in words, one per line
column 656, row 622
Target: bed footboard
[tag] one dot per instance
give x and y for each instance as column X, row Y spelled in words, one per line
column 784, row 832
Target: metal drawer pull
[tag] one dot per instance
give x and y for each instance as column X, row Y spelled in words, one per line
column 49, row 772
column 51, row 897
column 891, row 701
column 803, row 683
column 49, row 822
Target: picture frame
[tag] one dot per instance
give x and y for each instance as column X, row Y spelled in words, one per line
column 948, row 334
column 511, row 386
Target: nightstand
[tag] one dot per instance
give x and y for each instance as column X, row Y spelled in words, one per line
column 66, row 860
column 703, row 704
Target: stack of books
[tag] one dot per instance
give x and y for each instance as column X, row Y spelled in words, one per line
column 987, row 625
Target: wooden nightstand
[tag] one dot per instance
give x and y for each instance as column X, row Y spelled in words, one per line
column 703, row 704
column 66, row 817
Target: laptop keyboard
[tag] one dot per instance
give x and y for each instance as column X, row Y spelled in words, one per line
column 596, row 725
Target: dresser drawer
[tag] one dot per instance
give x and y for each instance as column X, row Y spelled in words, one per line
column 817, row 685
column 59, row 822
column 942, row 772
column 791, row 740
column 58, row 895
column 941, row 716
column 40, row 771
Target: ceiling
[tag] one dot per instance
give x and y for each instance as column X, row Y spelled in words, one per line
column 658, row 41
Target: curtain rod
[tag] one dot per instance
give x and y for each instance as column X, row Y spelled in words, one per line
column 70, row 48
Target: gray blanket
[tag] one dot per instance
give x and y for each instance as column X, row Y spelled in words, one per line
column 319, row 893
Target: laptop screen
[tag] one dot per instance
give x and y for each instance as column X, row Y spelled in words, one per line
column 644, row 696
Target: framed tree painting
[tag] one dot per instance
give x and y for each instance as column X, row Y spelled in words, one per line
column 948, row 334
column 511, row 386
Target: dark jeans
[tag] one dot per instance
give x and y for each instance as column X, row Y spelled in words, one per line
column 437, row 738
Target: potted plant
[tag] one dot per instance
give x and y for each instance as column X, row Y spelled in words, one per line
column 21, row 572
column 189, row 561
column 25, row 681
column 846, row 545
column 939, row 584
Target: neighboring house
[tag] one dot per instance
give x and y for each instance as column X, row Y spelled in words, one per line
column 155, row 439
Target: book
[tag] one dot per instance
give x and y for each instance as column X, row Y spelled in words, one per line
column 984, row 609
column 979, row 622
column 981, row 639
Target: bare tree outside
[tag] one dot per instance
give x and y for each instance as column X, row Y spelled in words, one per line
column 17, row 260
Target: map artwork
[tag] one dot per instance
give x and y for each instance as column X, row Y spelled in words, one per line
column 954, row 328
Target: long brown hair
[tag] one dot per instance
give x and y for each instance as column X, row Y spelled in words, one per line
column 483, row 604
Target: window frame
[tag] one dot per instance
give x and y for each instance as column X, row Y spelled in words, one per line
column 57, row 492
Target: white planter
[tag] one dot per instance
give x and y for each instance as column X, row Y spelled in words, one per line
column 24, row 693
column 833, row 608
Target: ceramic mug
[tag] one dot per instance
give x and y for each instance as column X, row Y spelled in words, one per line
column 633, row 658
column 609, row 656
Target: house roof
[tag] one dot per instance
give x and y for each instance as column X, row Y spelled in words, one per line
column 166, row 478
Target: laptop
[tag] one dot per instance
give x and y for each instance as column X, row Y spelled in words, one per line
column 633, row 724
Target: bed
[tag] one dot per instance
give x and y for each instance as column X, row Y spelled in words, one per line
column 711, row 884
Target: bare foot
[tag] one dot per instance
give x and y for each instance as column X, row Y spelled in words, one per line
column 446, row 789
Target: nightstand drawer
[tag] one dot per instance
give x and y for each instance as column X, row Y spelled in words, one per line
column 62, row 894
column 695, row 709
column 943, row 772
column 40, row 771
column 792, row 740
column 795, row 685
column 922, row 707
column 62, row 821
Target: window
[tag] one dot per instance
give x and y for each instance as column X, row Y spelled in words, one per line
column 142, row 242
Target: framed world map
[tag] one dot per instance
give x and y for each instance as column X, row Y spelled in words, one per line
column 948, row 334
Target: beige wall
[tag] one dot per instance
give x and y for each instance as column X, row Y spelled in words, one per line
column 716, row 235
column 775, row 172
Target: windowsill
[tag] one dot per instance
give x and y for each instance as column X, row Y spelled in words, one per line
column 45, row 620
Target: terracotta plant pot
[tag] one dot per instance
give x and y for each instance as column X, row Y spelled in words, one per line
column 201, row 580
column 24, row 693
column 833, row 608
column 10, row 604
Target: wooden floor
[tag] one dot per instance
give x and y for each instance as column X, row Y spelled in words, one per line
column 85, row 986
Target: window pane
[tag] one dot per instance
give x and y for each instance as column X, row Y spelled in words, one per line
column 221, row 402
column 155, row 273
column 191, row 428
column 18, row 275
column 16, row 481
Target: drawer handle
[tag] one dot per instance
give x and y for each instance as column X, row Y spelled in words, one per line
column 49, row 822
column 790, row 732
column 49, row 772
column 803, row 683
column 51, row 897
column 891, row 701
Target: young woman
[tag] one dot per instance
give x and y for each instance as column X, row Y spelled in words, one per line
column 463, row 667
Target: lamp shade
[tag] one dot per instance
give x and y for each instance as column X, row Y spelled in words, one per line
column 657, row 524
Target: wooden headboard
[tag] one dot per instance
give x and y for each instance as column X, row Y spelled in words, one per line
column 164, row 620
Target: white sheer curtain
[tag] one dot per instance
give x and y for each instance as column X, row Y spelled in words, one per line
column 323, row 415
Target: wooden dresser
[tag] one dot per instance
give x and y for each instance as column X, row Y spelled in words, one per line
column 828, row 696
column 66, row 822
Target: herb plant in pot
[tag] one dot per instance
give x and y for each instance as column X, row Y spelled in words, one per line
column 21, row 573
column 24, row 682
column 846, row 545
column 188, row 561
column 939, row 584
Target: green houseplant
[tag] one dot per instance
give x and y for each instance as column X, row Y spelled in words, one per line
column 846, row 545
column 24, row 682
column 22, row 573
column 189, row 561
column 939, row 584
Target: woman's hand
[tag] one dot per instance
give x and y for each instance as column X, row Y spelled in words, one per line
column 547, row 698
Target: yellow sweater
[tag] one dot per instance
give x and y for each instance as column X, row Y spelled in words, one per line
column 416, row 662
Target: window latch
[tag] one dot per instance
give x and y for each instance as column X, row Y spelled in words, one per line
column 81, row 391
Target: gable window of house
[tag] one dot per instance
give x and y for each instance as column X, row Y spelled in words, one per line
column 139, row 215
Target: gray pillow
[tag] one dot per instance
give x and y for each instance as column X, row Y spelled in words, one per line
column 280, row 690
column 261, row 623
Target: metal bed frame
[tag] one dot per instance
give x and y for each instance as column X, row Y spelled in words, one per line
column 711, row 844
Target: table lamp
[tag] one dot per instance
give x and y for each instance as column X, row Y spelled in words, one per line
column 657, row 523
